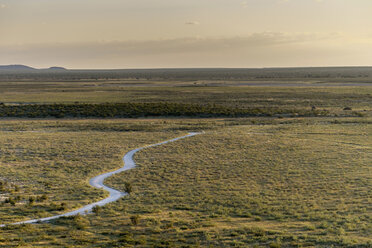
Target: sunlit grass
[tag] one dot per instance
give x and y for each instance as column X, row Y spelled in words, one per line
column 330, row 98
column 244, row 182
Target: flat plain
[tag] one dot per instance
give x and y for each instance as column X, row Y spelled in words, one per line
column 279, row 181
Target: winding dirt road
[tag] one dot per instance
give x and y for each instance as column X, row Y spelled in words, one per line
column 97, row 182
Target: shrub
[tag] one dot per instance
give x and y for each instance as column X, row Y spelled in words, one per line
column 31, row 200
column 63, row 206
column 135, row 219
column 42, row 198
column 130, row 110
column 11, row 201
column 96, row 209
column 128, row 187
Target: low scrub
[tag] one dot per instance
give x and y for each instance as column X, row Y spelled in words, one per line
column 132, row 110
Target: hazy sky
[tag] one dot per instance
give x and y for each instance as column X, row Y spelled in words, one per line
column 185, row 33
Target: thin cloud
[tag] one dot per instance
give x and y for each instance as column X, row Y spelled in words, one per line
column 257, row 49
column 2, row 6
column 287, row 1
column 192, row 23
column 244, row 4
column 187, row 44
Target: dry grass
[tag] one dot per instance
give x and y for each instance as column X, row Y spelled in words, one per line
column 294, row 183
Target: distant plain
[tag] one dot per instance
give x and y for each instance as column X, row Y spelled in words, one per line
column 274, row 181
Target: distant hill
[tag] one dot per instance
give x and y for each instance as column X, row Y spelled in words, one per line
column 57, row 68
column 16, row 68
column 24, row 68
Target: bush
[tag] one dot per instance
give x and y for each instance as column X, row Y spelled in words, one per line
column 42, row 198
column 96, row 209
column 11, row 201
column 135, row 219
column 80, row 222
column 128, row 187
column 31, row 200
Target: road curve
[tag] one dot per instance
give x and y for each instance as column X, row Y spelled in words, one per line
column 97, row 182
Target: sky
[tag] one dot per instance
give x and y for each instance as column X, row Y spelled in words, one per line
column 119, row 34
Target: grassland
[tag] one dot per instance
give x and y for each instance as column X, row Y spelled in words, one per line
column 332, row 100
column 332, row 75
column 58, row 163
column 273, row 180
column 245, row 182
column 243, row 96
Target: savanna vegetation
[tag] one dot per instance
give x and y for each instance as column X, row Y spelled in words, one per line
column 243, row 183
column 130, row 110
column 284, row 160
column 322, row 74
column 126, row 98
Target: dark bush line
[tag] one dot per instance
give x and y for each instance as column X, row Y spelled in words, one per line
column 217, row 74
column 133, row 110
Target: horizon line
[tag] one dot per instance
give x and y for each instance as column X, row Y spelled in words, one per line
column 192, row 68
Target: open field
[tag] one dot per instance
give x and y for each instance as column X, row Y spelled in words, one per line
column 332, row 99
column 245, row 182
column 186, row 124
column 232, row 76
column 55, row 160
column 294, row 170
column 295, row 89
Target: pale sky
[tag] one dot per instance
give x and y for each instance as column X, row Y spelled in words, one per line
column 185, row 33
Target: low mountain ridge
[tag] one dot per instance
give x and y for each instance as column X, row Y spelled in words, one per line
column 16, row 67
column 57, row 68
column 24, row 68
